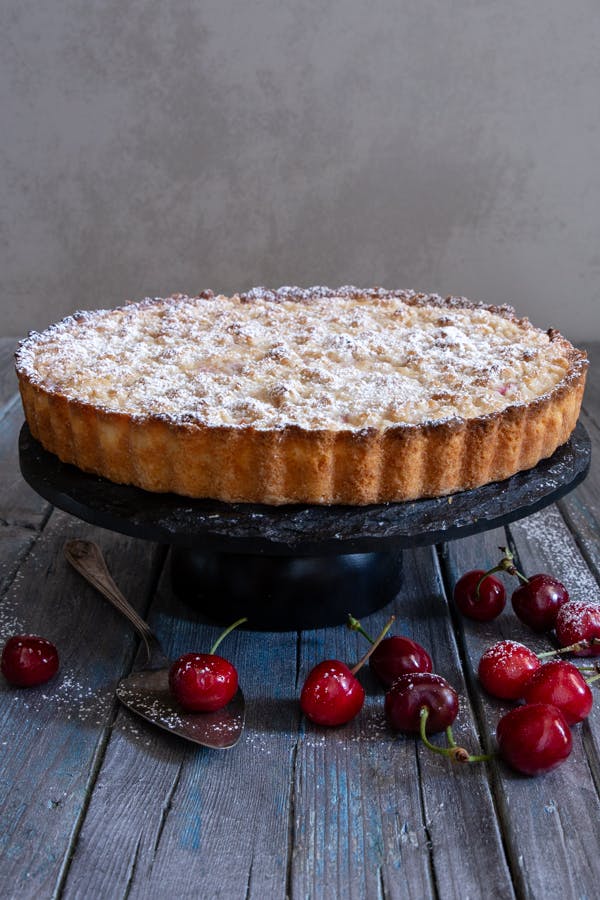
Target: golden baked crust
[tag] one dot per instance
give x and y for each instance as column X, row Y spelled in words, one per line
column 333, row 396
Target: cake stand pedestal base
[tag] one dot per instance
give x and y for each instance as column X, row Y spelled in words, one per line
column 285, row 592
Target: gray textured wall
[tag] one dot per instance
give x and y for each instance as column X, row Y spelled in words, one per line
column 149, row 147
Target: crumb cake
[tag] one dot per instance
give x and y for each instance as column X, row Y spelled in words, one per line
column 301, row 396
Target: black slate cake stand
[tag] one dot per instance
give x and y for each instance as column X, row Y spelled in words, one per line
column 291, row 567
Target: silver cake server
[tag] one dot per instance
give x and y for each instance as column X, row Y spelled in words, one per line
column 146, row 691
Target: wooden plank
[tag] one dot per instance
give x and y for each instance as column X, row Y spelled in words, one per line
column 550, row 855
column 8, row 379
column 14, row 545
column 581, row 509
column 21, row 505
column 54, row 735
column 170, row 820
column 377, row 815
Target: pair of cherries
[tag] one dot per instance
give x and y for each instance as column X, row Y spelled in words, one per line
column 332, row 694
column 535, row 737
column 480, row 595
column 200, row 682
column 417, row 700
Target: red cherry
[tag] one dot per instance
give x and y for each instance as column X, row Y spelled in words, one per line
column 561, row 684
column 202, row 682
column 398, row 656
column 534, row 738
column 483, row 605
column 331, row 695
column 579, row 621
column 537, row 602
column 410, row 693
column 506, row 667
column 28, row 660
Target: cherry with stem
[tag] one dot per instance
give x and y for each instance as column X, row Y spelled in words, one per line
column 331, row 694
column 204, row 682
column 538, row 599
column 480, row 596
column 396, row 655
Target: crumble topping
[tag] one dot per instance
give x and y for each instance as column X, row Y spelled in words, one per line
column 316, row 358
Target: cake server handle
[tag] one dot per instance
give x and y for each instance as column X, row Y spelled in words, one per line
column 86, row 557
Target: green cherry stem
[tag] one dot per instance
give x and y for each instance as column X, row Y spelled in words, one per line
column 458, row 754
column 506, row 564
column 572, row 648
column 374, row 645
column 354, row 625
column 226, row 632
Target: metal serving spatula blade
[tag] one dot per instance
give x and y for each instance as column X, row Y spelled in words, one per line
column 146, row 692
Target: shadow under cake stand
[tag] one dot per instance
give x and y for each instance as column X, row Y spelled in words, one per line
column 296, row 566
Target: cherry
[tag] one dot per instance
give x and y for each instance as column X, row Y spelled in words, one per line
column 422, row 702
column 578, row 621
column 538, row 600
column 204, row 682
column 413, row 692
column 396, row 655
column 478, row 595
column 534, row 738
column 399, row 655
column 561, row 684
column 28, row 660
column 331, row 694
column 506, row 667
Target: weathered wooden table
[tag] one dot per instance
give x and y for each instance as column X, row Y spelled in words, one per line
column 97, row 804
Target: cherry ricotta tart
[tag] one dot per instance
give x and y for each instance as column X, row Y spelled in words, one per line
column 301, row 395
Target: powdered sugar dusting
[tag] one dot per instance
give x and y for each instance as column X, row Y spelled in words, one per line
column 501, row 652
column 313, row 357
column 546, row 530
column 66, row 695
column 577, row 612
